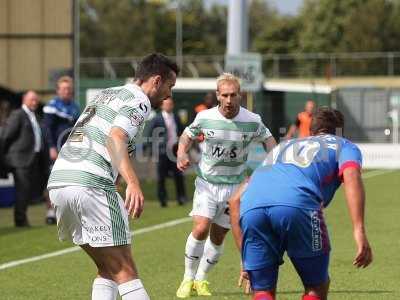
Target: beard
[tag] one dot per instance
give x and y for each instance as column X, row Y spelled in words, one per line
column 156, row 100
column 230, row 111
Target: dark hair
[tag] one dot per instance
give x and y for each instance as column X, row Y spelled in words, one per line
column 156, row 64
column 327, row 120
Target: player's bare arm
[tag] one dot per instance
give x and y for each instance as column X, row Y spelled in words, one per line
column 183, row 161
column 234, row 212
column 269, row 144
column 118, row 150
column 234, row 209
column 355, row 196
column 291, row 132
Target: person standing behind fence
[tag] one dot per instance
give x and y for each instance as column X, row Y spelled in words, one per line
column 303, row 121
column 208, row 102
column 26, row 155
column 60, row 114
column 165, row 129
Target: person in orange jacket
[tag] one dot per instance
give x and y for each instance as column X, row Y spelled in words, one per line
column 303, row 121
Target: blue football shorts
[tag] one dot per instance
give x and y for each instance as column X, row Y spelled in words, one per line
column 270, row 231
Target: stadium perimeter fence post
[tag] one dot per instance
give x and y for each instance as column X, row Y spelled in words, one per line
column 250, row 101
column 76, row 53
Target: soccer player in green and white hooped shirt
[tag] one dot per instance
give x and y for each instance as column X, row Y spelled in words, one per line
column 82, row 189
column 226, row 132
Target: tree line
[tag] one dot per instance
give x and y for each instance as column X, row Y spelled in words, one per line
column 133, row 27
column 126, row 28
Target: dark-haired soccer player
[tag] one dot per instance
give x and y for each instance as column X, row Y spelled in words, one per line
column 89, row 210
column 281, row 208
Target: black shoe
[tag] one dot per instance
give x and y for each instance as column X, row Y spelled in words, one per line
column 164, row 204
column 22, row 224
column 182, row 201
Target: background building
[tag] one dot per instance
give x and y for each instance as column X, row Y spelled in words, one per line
column 36, row 43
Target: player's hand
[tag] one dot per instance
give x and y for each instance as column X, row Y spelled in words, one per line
column 53, row 153
column 244, row 282
column 364, row 252
column 183, row 162
column 134, row 200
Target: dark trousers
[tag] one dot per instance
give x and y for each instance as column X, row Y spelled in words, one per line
column 165, row 168
column 28, row 185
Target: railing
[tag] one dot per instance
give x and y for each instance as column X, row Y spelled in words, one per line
column 295, row 65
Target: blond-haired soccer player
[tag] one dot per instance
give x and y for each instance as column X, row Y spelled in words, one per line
column 82, row 182
column 226, row 132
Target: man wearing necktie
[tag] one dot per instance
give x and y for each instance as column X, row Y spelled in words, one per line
column 26, row 154
column 165, row 130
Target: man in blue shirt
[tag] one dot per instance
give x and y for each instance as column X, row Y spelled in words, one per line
column 281, row 208
column 60, row 115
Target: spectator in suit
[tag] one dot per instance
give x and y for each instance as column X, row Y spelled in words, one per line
column 165, row 129
column 26, row 155
column 60, row 115
column 4, row 111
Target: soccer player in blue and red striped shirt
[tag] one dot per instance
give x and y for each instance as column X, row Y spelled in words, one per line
column 281, row 208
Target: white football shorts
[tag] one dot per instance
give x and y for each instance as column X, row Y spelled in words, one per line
column 91, row 216
column 211, row 201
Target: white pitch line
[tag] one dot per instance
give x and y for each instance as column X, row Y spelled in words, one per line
column 172, row 223
column 375, row 173
column 15, row 263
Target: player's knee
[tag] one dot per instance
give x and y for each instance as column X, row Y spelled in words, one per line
column 200, row 231
column 217, row 234
column 124, row 273
column 119, row 270
column 217, row 239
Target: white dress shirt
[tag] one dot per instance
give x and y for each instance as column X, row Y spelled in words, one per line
column 172, row 137
column 36, row 128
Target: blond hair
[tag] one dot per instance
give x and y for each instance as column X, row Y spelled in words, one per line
column 62, row 79
column 228, row 77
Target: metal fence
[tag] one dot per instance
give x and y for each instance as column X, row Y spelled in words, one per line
column 372, row 114
column 295, row 65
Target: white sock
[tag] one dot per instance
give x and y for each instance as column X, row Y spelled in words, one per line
column 193, row 252
column 133, row 290
column 210, row 258
column 104, row 289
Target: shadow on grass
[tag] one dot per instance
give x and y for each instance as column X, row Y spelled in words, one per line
column 240, row 293
column 345, row 292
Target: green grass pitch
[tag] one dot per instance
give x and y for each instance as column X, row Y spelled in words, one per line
column 159, row 254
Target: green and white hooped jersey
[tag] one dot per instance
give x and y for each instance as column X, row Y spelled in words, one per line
column 225, row 147
column 84, row 159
